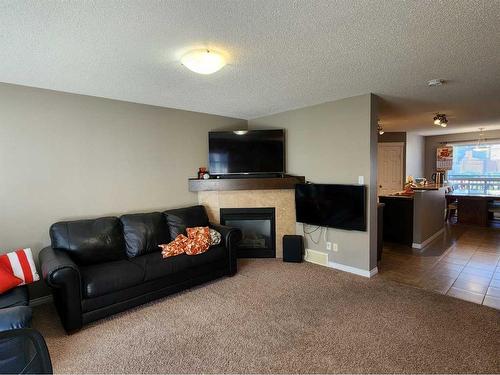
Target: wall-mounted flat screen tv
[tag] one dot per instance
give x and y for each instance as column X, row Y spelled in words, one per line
column 246, row 152
column 334, row 206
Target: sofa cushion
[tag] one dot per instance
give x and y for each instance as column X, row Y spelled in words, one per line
column 144, row 232
column 214, row 254
column 156, row 267
column 182, row 218
column 100, row 279
column 89, row 241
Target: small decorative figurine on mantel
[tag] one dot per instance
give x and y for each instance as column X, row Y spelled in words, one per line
column 201, row 173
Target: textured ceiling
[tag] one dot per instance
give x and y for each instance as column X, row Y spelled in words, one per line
column 284, row 54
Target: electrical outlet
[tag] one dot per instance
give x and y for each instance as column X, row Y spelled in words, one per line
column 335, row 247
column 328, row 245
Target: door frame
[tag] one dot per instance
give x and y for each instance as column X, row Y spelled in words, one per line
column 402, row 145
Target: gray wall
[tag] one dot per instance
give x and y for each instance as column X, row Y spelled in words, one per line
column 415, row 155
column 433, row 142
column 335, row 142
column 428, row 214
column 66, row 156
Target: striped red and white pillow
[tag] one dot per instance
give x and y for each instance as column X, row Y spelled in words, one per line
column 20, row 264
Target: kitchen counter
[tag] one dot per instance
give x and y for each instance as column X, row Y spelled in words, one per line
column 429, row 187
column 414, row 220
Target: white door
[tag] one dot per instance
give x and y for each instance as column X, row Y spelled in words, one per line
column 390, row 167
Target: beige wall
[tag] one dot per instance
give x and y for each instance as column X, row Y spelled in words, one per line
column 66, row 156
column 335, row 142
column 415, row 155
column 433, row 142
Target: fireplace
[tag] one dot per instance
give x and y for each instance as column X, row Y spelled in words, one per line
column 258, row 228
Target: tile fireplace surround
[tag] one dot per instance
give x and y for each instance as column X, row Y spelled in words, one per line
column 283, row 200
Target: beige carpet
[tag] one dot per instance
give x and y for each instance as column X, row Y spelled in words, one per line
column 275, row 317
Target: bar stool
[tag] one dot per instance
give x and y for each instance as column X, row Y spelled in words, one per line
column 451, row 204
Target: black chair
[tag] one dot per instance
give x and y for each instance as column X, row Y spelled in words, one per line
column 23, row 351
column 15, row 312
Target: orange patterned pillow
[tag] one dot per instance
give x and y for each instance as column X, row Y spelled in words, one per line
column 198, row 231
column 199, row 240
column 176, row 247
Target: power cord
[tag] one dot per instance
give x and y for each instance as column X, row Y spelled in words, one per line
column 309, row 234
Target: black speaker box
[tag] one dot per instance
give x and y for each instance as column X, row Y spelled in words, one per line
column 293, row 248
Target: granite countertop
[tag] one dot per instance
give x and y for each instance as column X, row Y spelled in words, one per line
column 429, row 187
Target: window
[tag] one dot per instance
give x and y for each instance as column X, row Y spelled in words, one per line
column 476, row 170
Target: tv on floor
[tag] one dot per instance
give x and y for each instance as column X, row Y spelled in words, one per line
column 334, row 206
column 246, row 152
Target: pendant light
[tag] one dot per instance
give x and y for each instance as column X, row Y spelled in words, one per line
column 481, row 142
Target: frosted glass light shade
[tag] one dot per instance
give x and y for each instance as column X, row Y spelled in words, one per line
column 203, row 61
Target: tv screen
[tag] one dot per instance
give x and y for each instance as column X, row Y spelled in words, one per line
column 246, row 151
column 334, row 206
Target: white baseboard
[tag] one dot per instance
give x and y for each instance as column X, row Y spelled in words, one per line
column 427, row 241
column 41, row 300
column 321, row 258
column 354, row 270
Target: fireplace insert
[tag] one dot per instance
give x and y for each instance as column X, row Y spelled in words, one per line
column 258, row 226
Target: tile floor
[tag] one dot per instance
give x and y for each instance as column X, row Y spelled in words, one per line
column 463, row 263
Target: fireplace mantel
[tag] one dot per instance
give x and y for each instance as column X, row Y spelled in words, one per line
column 227, row 184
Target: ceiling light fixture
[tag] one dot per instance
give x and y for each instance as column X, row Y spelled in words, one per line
column 240, row 132
column 203, row 61
column 441, row 120
column 379, row 128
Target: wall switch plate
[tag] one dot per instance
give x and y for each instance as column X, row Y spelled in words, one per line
column 328, row 245
column 361, row 180
column 335, row 247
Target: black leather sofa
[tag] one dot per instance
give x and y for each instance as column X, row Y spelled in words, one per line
column 103, row 266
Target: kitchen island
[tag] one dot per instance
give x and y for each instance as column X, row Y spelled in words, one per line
column 414, row 220
column 473, row 207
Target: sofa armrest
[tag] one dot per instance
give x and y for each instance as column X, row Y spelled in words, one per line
column 230, row 237
column 55, row 264
column 15, row 317
column 63, row 275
